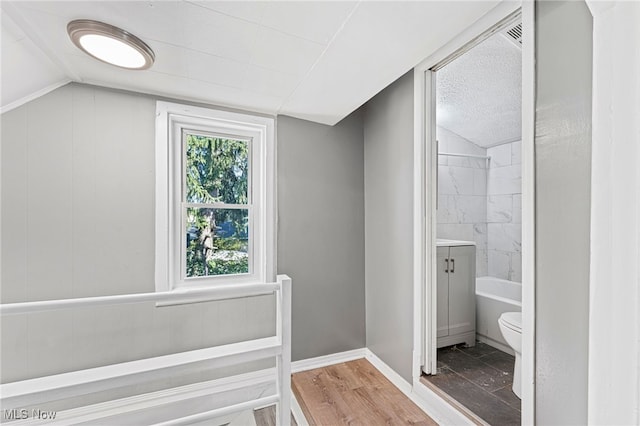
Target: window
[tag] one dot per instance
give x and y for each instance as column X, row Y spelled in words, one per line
column 214, row 197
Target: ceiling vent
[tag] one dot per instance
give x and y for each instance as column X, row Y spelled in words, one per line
column 513, row 33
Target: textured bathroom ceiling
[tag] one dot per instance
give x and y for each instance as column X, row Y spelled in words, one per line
column 317, row 60
column 479, row 94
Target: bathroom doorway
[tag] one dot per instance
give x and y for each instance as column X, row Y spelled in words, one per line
column 478, row 226
column 477, row 243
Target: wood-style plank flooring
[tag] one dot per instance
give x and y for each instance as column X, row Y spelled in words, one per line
column 354, row 393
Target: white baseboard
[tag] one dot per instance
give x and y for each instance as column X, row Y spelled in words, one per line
column 297, row 412
column 428, row 401
column 388, row 372
column 325, row 360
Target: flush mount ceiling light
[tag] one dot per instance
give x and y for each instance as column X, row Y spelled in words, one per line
column 110, row 44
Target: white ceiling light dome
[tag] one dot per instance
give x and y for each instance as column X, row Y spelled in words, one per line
column 110, row 44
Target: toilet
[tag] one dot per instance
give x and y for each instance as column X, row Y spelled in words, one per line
column 511, row 328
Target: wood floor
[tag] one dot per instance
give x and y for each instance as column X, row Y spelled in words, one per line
column 354, row 393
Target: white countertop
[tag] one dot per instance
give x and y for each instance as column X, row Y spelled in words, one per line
column 448, row 243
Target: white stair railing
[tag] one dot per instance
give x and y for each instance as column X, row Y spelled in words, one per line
column 27, row 393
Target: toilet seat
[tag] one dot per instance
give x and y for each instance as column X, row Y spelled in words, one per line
column 512, row 320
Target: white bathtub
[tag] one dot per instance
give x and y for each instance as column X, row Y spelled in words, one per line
column 493, row 297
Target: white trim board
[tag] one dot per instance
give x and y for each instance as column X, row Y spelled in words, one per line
column 424, row 200
column 423, row 223
column 326, row 360
column 35, row 95
column 528, row 369
column 397, row 380
column 614, row 300
column 77, row 383
column 172, row 121
column 149, row 404
column 297, row 412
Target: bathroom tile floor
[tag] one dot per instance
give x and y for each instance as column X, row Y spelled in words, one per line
column 479, row 378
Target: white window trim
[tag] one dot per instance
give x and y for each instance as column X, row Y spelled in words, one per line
column 171, row 119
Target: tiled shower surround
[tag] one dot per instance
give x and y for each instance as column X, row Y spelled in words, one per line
column 504, row 212
column 462, row 195
column 480, row 200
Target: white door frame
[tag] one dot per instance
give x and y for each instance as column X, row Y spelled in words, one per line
column 614, row 311
column 425, row 158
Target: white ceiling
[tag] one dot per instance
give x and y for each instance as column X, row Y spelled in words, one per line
column 313, row 60
column 479, row 95
column 19, row 53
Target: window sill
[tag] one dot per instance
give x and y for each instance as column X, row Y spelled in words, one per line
column 198, row 294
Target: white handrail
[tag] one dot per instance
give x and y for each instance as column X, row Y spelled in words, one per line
column 219, row 412
column 80, row 382
column 283, row 361
column 179, row 295
column 34, row 391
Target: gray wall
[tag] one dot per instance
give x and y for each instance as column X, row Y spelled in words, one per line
column 388, row 176
column 563, row 159
column 78, row 185
column 321, row 232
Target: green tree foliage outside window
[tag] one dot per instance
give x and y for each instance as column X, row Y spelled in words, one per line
column 217, row 238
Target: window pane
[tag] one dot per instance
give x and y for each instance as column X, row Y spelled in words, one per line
column 217, row 242
column 217, row 170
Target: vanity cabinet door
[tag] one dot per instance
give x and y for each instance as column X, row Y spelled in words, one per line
column 462, row 289
column 443, row 291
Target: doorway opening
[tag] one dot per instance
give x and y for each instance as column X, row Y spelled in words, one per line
column 477, row 255
column 478, row 227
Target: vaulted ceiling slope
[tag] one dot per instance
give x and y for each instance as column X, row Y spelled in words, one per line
column 313, row 60
column 26, row 71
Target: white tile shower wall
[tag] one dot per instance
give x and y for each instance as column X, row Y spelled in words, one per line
column 504, row 212
column 462, row 195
